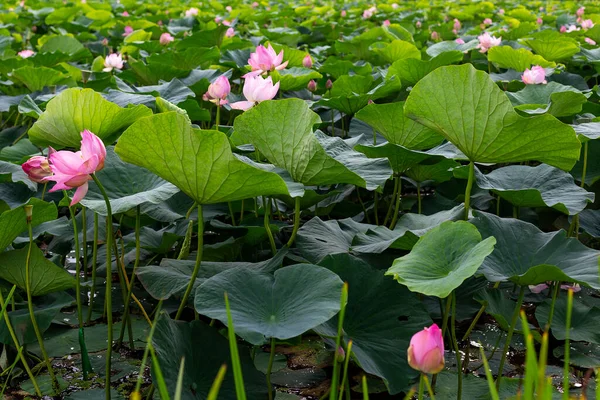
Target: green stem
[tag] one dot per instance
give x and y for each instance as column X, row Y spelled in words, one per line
column 85, row 246
column 77, row 266
column 267, row 204
column 231, row 214
column 296, row 221
column 108, row 292
column 398, row 203
column 15, row 340
column 138, row 384
column 362, row 204
column 44, row 189
column 338, row 340
column 391, row 206
column 498, row 205
column 566, row 384
column 136, row 264
column 455, row 345
column 218, row 118
column 242, row 212
column 511, row 330
column 38, row 333
column 421, row 387
column 552, row 305
column 479, row 314
column 429, row 388
column 419, row 208
column 270, row 368
column 585, row 162
column 376, row 207
column 446, row 315
column 468, row 189
column 94, row 264
column 120, row 264
column 190, row 286
column 345, row 373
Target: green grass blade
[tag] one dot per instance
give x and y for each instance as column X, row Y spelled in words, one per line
column 216, row 386
column 235, row 356
column 333, row 393
column 159, row 378
column 179, row 386
column 531, row 366
column 365, row 388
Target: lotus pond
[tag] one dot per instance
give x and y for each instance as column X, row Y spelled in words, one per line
column 299, row 200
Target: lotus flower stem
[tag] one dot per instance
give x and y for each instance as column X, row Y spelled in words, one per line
column 231, row 214
column 468, row 189
column 421, row 387
column 242, row 212
column 218, row 117
column 567, row 343
column 398, row 203
column 362, row 204
column 552, row 305
column 574, row 227
column 455, row 345
column 38, row 334
column 94, row 264
column 123, row 283
column 108, row 293
column 428, row 385
column 270, row 368
column 296, row 221
column 391, row 207
column 44, row 189
column 511, row 330
column 77, row 266
column 345, row 381
column 190, row 286
column 85, row 247
column 376, row 207
column 338, row 339
column 130, row 286
column 15, row 340
column 419, row 197
column 446, row 315
column 267, row 204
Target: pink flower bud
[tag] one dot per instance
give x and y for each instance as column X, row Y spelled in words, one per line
column 312, row 86
column 307, row 61
column 26, row 53
column 418, row 24
column 218, row 91
column 539, row 21
column 534, row 76
column 37, row 168
column 387, row 22
column 563, row 29
column 580, row 11
column 456, row 26
column 343, row 14
column 328, row 84
column 435, row 36
column 125, row 14
column 459, row 41
column 230, row 32
column 426, row 350
column 587, row 24
column 165, row 39
column 487, row 21
column 340, row 354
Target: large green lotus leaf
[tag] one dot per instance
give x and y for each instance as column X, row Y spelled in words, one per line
column 553, row 47
column 381, row 317
column 349, row 94
column 172, row 277
column 337, row 68
column 477, row 116
column 408, row 230
column 282, row 132
column 432, row 173
column 45, row 310
column 152, row 74
column 203, row 38
column 13, row 222
column 10, row 172
column 442, row 259
column 66, row 45
column 295, row 78
column 584, row 320
column 553, row 98
column 411, row 70
column 317, row 238
column 186, row 59
column 389, row 120
column 75, row 110
column 400, row 158
column 517, row 59
column 127, row 186
column 589, row 220
column 450, row 45
column 46, row 277
column 198, row 162
column 541, row 186
column 592, row 167
column 204, row 350
column 284, row 305
column 37, row 78
column 398, row 50
column 527, row 256
column 587, row 131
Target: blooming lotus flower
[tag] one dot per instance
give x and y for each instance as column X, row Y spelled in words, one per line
column 580, row 11
column 587, row 24
column 166, row 38
column 113, row 61
column 229, row 9
column 426, row 350
column 539, row 21
column 501, row 11
column 230, row 32
column 265, row 59
column 487, row 21
column 192, row 12
column 387, row 22
column 307, row 61
column 226, row 22
column 37, row 168
column 125, row 14
column 127, row 31
column 456, row 26
column 256, row 89
column 590, row 41
column 255, row 4
column 572, row 28
column 218, row 91
column 487, row 41
column 343, row 14
column 312, row 86
column 395, row 5
column 74, row 169
column 543, row 286
column 534, row 76
column 459, row 41
column 26, row 53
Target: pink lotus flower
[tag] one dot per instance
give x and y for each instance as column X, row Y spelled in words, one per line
column 487, row 41
column 192, row 12
column 543, row 286
column 256, row 89
column 307, row 61
column 534, row 76
column 343, row 14
column 230, row 32
column 456, row 26
column 26, row 53
column 435, row 36
column 418, row 24
column 255, row 4
column 589, row 41
column 395, row 5
column 127, row 31
column 37, row 168
column 539, row 21
column 105, row 42
column 580, row 11
column 368, row 13
column 166, row 38
column 587, row 24
column 229, row 9
column 218, row 20
column 328, row 84
column 387, row 22
column 125, row 14
column 265, row 59
column 312, row 86
column 113, row 61
column 501, row 11
column 226, row 22
column 426, row 350
column 74, row 169
column 487, row 21
column 572, row 28
column 218, row 91
column 459, row 41
column 563, row 29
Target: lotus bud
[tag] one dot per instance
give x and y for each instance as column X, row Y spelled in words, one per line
column 312, row 86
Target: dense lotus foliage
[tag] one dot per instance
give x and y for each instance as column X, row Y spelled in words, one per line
column 299, row 200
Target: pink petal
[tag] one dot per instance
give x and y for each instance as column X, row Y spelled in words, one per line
column 79, row 194
column 242, row 105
